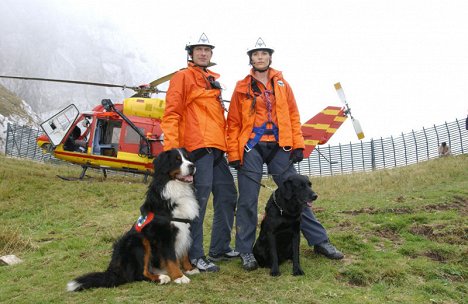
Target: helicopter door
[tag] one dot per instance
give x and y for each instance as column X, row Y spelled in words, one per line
column 106, row 137
column 58, row 125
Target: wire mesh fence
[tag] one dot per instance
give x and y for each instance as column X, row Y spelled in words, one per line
column 402, row 150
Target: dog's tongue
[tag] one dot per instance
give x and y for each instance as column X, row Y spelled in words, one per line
column 186, row 178
column 309, row 204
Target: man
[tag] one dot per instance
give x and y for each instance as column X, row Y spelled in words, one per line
column 444, row 150
column 264, row 128
column 194, row 119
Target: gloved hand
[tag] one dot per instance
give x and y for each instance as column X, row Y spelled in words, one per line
column 235, row 164
column 297, row 155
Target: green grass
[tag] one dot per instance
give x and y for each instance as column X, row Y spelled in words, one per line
column 403, row 231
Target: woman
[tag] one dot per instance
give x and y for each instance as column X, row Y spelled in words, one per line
column 264, row 128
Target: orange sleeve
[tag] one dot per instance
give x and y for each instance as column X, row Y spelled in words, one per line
column 296, row 132
column 173, row 113
column 234, row 122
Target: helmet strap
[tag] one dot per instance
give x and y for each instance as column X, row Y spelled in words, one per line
column 258, row 70
column 262, row 70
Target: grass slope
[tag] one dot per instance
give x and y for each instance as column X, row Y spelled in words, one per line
column 403, row 231
column 10, row 103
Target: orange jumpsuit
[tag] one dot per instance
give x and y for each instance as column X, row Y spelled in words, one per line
column 194, row 115
column 242, row 118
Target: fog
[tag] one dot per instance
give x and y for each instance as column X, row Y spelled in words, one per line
column 402, row 64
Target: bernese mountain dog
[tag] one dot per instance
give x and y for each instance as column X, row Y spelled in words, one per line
column 156, row 247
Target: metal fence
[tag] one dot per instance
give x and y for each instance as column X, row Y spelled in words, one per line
column 402, row 150
column 21, row 142
column 391, row 152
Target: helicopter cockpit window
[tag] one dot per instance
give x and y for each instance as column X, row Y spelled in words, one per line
column 77, row 140
column 106, row 137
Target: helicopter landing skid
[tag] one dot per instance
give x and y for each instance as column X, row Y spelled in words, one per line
column 72, row 178
column 82, row 175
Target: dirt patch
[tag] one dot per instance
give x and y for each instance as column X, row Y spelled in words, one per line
column 369, row 210
column 435, row 256
column 372, row 210
column 345, row 224
column 441, row 233
column 424, row 230
column 318, row 209
column 388, row 234
column 400, row 199
column 460, row 204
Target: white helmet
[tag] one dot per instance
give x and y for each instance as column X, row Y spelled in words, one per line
column 260, row 45
column 203, row 40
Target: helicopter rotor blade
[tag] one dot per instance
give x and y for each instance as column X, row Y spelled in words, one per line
column 141, row 91
column 357, row 128
column 168, row 77
column 162, row 79
column 73, row 81
column 341, row 94
column 356, row 125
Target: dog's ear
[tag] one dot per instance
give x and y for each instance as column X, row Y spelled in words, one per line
column 161, row 163
column 288, row 189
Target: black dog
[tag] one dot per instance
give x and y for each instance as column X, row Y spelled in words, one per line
column 279, row 237
column 160, row 239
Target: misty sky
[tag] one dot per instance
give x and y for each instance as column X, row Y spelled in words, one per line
column 403, row 64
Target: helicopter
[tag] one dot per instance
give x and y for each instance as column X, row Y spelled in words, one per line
column 123, row 137
column 127, row 136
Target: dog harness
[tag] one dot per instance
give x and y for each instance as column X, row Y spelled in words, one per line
column 145, row 220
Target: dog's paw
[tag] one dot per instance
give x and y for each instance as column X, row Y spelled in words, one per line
column 298, row 272
column 182, row 280
column 164, row 279
column 73, row 286
column 275, row 273
column 193, row 271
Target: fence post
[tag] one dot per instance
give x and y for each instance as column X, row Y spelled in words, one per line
column 35, row 137
column 319, row 161
column 416, row 146
column 341, row 158
column 448, row 133
column 437, row 135
column 427, row 143
column 394, row 153
column 372, row 154
column 7, row 138
column 383, row 152
column 362, row 155
column 29, row 140
column 404, row 145
column 459, row 132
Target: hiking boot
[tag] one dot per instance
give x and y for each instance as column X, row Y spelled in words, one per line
column 224, row 256
column 249, row 262
column 328, row 250
column 204, row 265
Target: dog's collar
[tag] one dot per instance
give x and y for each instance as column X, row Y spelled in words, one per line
column 145, row 220
column 276, row 204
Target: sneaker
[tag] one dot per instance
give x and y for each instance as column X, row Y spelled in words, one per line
column 224, row 256
column 249, row 262
column 328, row 250
column 203, row 264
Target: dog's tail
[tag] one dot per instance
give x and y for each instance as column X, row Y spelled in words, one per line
column 105, row 279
